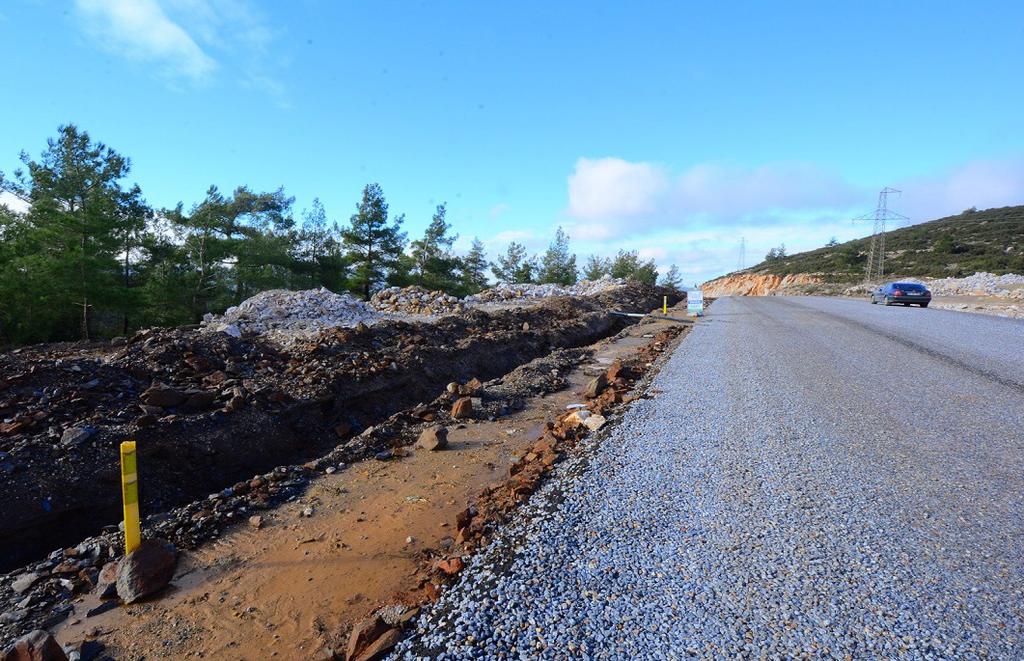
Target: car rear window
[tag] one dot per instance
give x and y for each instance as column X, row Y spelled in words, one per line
column 909, row 286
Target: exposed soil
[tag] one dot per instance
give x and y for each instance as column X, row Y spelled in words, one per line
column 380, row 532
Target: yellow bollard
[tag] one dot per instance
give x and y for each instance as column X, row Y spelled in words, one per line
column 664, row 304
column 130, row 496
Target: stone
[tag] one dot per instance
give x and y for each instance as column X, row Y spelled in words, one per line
column 76, row 435
column 198, row 400
column 24, row 582
column 146, row 570
column 163, row 396
column 433, row 438
column 381, row 647
column 596, row 386
column 106, row 584
column 462, row 408
column 364, row 633
column 147, row 420
column 451, row 566
column 594, row 422
column 38, row 645
column 256, row 521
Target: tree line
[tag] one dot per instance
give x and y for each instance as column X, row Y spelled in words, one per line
column 90, row 257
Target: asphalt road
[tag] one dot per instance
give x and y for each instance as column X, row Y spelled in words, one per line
column 811, row 477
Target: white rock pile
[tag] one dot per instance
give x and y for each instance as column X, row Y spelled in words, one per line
column 513, row 292
column 1009, row 285
column 416, row 300
column 289, row 316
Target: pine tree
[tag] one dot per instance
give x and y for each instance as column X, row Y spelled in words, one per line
column 373, row 245
column 513, row 266
column 597, row 267
column 671, row 278
column 473, row 269
column 434, row 265
column 320, row 255
column 558, row 266
column 627, row 264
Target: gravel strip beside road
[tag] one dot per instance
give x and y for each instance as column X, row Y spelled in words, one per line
column 804, row 484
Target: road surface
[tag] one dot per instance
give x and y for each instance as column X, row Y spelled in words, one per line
column 810, row 477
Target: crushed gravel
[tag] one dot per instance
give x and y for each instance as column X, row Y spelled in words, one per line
column 812, row 478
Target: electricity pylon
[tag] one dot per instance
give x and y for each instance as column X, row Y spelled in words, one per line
column 741, row 263
column 875, row 267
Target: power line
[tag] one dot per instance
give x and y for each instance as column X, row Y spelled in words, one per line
column 876, row 253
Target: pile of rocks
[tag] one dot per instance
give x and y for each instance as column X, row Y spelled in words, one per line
column 286, row 316
column 518, row 292
column 1009, row 285
column 415, row 300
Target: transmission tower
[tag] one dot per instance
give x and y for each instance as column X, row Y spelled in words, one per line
column 875, row 267
column 741, row 263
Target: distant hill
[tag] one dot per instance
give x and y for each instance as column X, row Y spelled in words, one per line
column 991, row 240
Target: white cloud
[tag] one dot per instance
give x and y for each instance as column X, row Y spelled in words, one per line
column 982, row 183
column 140, row 30
column 606, row 188
column 13, row 202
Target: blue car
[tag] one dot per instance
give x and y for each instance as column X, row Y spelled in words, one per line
column 906, row 293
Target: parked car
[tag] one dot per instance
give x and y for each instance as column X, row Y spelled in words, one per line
column 907, row 293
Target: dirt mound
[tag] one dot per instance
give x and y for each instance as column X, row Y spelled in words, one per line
column 209, row 409
column 754, row 284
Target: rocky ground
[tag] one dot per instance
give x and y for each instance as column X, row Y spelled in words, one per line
column 211, row 409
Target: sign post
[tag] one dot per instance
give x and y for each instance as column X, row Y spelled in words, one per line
column 695, row 302
column 130, row 496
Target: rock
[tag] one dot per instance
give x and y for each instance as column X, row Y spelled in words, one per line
column 24, row 582
column 38, row 645
column 198, row 400
column 577, row 418
column 163, row 396
column 76, row 435
column 146, row 570
column 364, row 633
column 433, row 438
column 256, row 521
column 594, row 422
column 463, row 408
column 147, row 420
column 11, row 617
column 596, row 386
column 307, row 512
column 451, row 566
column 526, row 326
column 380, row 648
column 106, row 584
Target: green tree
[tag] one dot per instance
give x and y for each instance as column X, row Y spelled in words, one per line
column 776, row 254
column 373, row 245
column 473, row 269
column 434, row 266
column 671, row 278
column 627, row 264
column 321, row 260
column 832, row 243
column 558, row 265
column 76, row 216
column 513, row 266
column 597, row 267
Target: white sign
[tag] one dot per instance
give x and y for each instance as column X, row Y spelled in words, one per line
column 695, row 302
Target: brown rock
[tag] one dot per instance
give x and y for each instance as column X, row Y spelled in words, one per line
column 163, row 396
column 463, row 408
column 198, row 400
column 451, row 566
column 146, row 570
column 106, row 584
column 256, row 521
column 147, row 420
column 380, row 648
column 596, row 386
column 433, row 438
column 38, row 645
column 364, row 633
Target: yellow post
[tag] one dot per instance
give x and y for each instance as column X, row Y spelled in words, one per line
column 664, row 304
column 130, row 496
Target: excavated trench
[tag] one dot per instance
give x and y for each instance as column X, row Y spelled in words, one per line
column 55, row 503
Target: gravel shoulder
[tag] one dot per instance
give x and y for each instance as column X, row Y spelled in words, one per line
column 810, row 477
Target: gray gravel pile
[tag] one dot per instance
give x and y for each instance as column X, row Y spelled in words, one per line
column 780, row 497
column 289, row 316
column 518, row 292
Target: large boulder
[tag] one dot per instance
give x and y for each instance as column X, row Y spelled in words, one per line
column 463, row 408
column 146, row 570
column 38, row 645
column 433, row 438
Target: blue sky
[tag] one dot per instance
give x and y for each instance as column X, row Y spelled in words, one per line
column 668, row 127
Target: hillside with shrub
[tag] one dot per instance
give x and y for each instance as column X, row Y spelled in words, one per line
column 991, row 240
